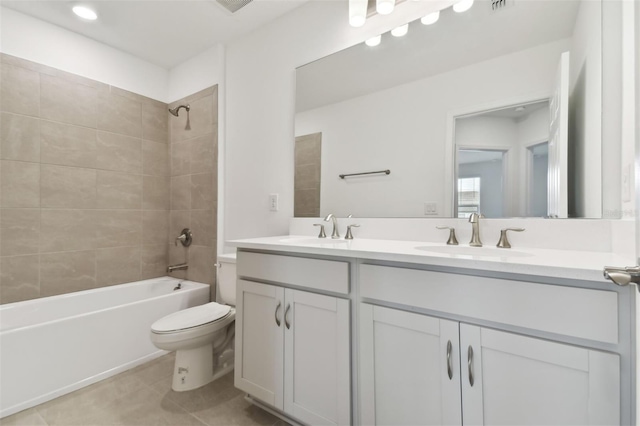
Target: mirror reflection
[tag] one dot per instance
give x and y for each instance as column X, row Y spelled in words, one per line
column 422, row 106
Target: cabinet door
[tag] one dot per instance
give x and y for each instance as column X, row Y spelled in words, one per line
column 510, row 379
column 317, row 358
column 409, row 368
column 260, row 341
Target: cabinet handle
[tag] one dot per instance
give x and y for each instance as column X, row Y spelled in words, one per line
column 286, row 311
column 276, row 314
column 470, row 362
column 449, row 365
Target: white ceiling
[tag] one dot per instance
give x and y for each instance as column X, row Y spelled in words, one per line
column 165, row 32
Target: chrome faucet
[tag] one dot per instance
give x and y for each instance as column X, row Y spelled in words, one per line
column 334, row 234
column 474, row 219
column 181, row 266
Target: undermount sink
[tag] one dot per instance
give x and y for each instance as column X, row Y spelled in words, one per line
column 474, row 251
column 308, row 241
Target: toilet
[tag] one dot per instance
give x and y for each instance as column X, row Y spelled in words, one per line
column 202, row 336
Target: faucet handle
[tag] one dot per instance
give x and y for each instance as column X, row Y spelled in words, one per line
column 452, row 241
column 504, row 241
column 349, row 235
column 321, row 234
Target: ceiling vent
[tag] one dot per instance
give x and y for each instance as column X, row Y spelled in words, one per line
column 233, row 5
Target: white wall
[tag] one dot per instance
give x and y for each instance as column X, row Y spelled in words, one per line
column 585, row 131
column 201, row 71
column 38, row 41
column 405, row 128
column 260, row 79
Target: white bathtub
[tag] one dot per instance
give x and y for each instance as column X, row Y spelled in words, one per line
column 55, row 345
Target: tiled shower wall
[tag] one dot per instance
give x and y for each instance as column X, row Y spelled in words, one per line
column 85, row 185
column 194, row 183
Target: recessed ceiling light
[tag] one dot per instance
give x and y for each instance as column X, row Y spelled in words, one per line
column 431, row 18
column 400, row 31
column 463, row 6
column 374, row 41
column 85, row 13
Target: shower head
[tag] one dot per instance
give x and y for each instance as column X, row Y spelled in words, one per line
column 175, row 110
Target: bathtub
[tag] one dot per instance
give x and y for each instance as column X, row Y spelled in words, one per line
column 55, row 345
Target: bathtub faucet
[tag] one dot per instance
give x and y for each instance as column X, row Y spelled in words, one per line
column 179, row 267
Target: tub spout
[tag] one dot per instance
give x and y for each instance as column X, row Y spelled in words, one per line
column 179, row 267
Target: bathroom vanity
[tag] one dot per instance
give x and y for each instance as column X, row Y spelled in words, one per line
column 399, row 332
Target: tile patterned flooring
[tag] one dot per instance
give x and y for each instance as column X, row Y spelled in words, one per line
column 143, row 396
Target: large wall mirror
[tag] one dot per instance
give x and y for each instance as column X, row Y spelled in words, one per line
column 497, row 110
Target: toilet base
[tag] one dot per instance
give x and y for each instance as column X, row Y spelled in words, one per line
column 193, row 368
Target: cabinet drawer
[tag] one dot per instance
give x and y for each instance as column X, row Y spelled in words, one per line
column 327, row 275
column 570, row 311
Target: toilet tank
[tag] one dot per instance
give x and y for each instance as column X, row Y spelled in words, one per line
column 227, row 278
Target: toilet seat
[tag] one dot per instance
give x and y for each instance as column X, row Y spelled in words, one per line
column 190, row 318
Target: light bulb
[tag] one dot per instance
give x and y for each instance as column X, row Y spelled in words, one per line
column 85, row 13
column 357, row 12
column 385, row 7
column 431, row 18
column 463, row 6
column 374, row 41
column 400, row 31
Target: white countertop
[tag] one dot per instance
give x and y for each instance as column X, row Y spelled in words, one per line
column 571, row 264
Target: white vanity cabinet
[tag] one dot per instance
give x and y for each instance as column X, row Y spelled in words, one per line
column 419, row 369
column 292, row 345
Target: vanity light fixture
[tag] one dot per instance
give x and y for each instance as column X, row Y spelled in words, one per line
column 374, row 41
column 431, row 18
column 385, row 7
column 357, row 12
column 85, row 13
column 462, row 6
column 400, row 31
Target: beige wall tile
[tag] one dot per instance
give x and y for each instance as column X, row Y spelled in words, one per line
column 307, row 177
column 201, row 265
column 213, row 90
column 203, row 192
column 180, row 192
column 19, row 278
column 155, row 227
column 68, row 187
column 19, row 231
column 119, row 153
column 306, row 203
column 119, row 114
column 155, row 124
column 67, row 145
column 202, row 224
column 19, row 184
column 155, row 193
column 155, row 158
column 19, row 137
column 308, row 148
column 119, row 190
column 117, row 265
column 68, row 102
column 180, row 158
column 118, row 228
column 203, row 155
column 201, row 120
column 179, row 220
column 67, row 230
column 67, row 272
column 19, row 90
column 154, row 261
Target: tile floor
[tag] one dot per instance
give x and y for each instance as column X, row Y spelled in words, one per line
column 143, row 396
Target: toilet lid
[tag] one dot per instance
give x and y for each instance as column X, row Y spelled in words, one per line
column 191, row 317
